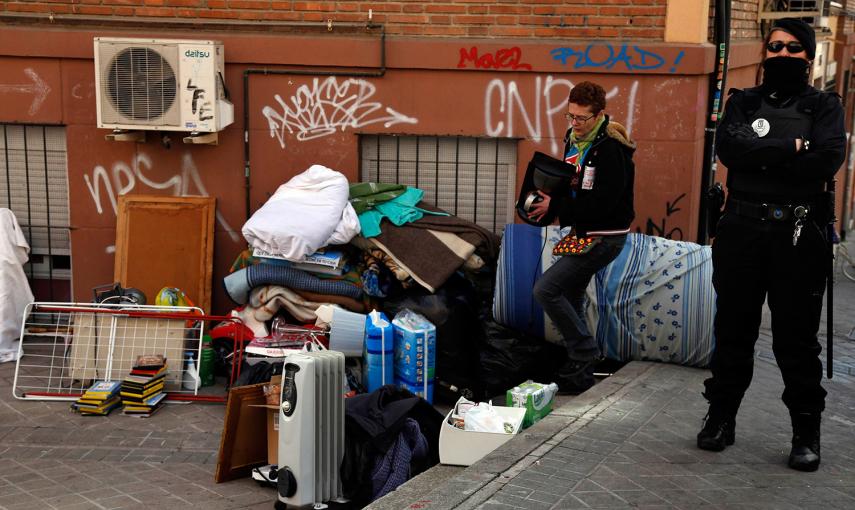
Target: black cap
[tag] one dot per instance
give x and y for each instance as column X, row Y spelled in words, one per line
column 801, row 31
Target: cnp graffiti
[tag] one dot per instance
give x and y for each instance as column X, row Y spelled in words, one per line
column 325, row 106
column 505, row 58
column 661, row 229
column 503, row 104
column 125, row 177
column 606, row 56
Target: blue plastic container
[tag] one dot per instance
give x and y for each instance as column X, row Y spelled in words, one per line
column 415, row 352
column 379, row 351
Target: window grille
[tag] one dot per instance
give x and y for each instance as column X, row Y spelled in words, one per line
column 34, row 185
column 776, row 9
column 469, row 177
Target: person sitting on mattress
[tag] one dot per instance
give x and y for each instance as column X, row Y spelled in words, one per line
column 599, row 208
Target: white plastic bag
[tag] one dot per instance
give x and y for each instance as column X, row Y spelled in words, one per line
column 483, row 418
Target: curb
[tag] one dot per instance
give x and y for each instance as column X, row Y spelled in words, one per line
column 466, row 488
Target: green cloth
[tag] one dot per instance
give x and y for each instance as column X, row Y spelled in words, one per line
column 366, row 195
column 582, row 144
column 400, row 210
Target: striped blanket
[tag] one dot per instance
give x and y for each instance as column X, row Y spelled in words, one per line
column 654, row 302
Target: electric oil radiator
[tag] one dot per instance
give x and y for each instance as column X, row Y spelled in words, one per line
column 311, row 428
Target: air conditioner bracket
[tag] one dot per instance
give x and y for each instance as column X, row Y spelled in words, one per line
column 202, row 138
column 125, row 136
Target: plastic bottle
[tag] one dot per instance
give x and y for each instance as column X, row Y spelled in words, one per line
column 379, row 351
column 191, row 375
column 206, row 362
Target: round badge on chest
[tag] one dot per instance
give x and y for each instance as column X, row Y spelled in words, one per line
column 761, row 127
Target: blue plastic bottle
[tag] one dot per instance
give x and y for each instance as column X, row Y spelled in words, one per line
column 379, row 351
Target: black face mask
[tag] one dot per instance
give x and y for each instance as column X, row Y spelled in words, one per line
column 785, row 75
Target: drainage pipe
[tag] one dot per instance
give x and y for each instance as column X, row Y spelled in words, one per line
column 379, row 72
column 717, row 89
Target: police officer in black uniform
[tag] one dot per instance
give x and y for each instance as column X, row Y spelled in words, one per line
column 781, row 143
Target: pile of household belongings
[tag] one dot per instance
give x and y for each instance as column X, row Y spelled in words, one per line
column 400, row 252
column 392, row 240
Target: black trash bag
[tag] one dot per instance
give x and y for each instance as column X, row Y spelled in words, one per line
column 509, row 357
column 258, row 373
column 454, row 310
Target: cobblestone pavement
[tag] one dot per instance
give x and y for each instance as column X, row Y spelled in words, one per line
column 629, row 442
column 53, row 458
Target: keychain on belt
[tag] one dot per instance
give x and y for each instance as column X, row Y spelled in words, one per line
column 800, row 212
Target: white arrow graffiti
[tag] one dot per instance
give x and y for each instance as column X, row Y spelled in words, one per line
column 39, row 89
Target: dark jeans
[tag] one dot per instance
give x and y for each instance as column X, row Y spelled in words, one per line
column 753, row 260
column 561, row 293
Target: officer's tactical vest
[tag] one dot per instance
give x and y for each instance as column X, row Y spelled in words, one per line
column 792, row 120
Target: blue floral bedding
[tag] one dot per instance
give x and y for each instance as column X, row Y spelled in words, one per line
column 654, row 302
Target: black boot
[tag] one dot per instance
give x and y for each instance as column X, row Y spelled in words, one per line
column 719, row 429
column 804, row 455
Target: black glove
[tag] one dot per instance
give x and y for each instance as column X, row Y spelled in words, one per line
column 744, row 131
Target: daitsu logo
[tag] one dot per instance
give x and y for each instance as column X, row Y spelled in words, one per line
column 197, row 54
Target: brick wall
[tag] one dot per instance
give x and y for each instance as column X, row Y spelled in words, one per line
column 567, row 19
column 743, row 19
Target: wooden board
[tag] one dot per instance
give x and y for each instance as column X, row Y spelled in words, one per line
column 243, row 444
column 166, row 242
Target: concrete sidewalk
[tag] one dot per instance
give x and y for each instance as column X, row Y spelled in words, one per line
column 629, row 442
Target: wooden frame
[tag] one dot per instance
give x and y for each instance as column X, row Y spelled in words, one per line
column 166, row 242
column 243, row 444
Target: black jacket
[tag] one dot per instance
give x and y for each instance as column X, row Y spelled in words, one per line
column 777, row 157
column 608, row 205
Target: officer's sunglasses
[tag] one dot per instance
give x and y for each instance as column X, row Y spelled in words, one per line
column 793, row 47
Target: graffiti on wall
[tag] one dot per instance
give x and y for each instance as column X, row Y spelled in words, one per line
column 37, row 87
column 323, row 107
column 124, row 177
column 505, row 58
column 605, row 56
column 503, row 103
column 661, row 229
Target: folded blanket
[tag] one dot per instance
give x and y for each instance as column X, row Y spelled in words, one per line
column 433, row 247
column 365, row 195
column 345, row 302
column 266, row 300
column 429, row 257
column 484, row 240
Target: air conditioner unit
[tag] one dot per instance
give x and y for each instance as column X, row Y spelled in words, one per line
column 161, row 84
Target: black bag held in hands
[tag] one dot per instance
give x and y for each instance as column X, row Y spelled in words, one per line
column 549, row 175
column 715, row 206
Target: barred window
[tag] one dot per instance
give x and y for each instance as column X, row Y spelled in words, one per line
column 469, row 177
column 34, row 185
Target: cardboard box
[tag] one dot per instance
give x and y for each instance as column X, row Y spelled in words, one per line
column 273, row 435
column 272, row 408
column 464, row 448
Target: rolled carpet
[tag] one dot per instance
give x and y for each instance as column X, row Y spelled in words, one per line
column 240, row 283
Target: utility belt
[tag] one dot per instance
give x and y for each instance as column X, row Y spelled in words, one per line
column 768, row 211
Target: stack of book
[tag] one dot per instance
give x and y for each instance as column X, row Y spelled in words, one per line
column 328, row 261
column 142, row 390
column 99, row 400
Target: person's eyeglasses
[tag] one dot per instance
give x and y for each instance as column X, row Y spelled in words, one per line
column 579, row 118
column 793, row 47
